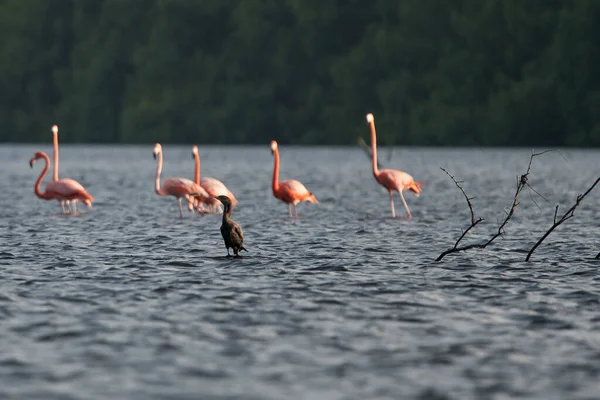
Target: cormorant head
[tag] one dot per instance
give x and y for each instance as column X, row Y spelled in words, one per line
column 224, row 199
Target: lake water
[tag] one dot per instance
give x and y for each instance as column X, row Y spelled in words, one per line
column 129, row 301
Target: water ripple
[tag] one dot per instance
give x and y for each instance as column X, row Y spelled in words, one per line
column 127, row 300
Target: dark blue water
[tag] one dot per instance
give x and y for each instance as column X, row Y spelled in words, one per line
column 129, row 301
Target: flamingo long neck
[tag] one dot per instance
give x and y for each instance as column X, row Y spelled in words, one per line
column 374, row 148
column 158, row 171
column 197, row 170
column 275, row 184
column 55, row 169
column 36, row 188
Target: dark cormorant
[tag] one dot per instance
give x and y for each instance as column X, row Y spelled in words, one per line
column 230, row 230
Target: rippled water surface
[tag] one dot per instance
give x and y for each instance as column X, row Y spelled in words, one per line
column 129, row 301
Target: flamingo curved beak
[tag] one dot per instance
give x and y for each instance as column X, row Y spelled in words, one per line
column 154, row 155
column 31, row 162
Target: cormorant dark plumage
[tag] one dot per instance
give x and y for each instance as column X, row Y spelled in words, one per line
column 230, row 230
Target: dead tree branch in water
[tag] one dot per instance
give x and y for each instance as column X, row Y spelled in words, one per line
column 522, row 181
column 363, row 145
column 568, row 215
column 598, row 256
column 474, row 221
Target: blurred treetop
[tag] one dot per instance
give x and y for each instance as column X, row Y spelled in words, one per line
column 434, row 72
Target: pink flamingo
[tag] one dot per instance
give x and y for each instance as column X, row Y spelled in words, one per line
column 63, row 203
column 55, row 154
column 213, row 187
column 178, row 187
column 61, row 189
column 290, row 191
column 391, row 179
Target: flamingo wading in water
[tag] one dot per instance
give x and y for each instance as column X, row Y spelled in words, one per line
column 290, row 191
column 178, row 187
column 213, row 187
column 391, row 179
column 61, row 189
column 64, row 204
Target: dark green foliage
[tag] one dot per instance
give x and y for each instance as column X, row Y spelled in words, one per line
column 464, row 72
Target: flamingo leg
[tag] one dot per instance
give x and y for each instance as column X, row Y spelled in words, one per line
column 67, row 206
column 289, row 209
column 392, row 203
column 405, row 205
column 179, row 200
column 74, row 206
column 62, row 205
column 295, row 211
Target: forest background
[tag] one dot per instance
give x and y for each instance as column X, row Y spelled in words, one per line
column 434, row 72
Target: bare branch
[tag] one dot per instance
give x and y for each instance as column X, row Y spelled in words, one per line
column 569, row 214
column 466, row 197
column 474, row 223
column 555, row 213
column 463, row 248
column 363, row 145
column 467, row 231
column 521, row 183
column 527, row 173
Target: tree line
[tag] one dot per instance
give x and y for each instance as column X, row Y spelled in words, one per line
column 434, row 72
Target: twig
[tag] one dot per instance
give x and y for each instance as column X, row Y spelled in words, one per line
column 464, row 194
column 522, row 181
column 531, row 188
column 520, row 185
column 568, row 215
column 474, row 221
column 363, row 145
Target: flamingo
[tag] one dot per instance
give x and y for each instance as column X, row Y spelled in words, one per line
column 290, row 191
column 62, row 189
column 55, row 154
column 55, row 167
column 391, row 179
column 213, row 187
column 177, row 187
